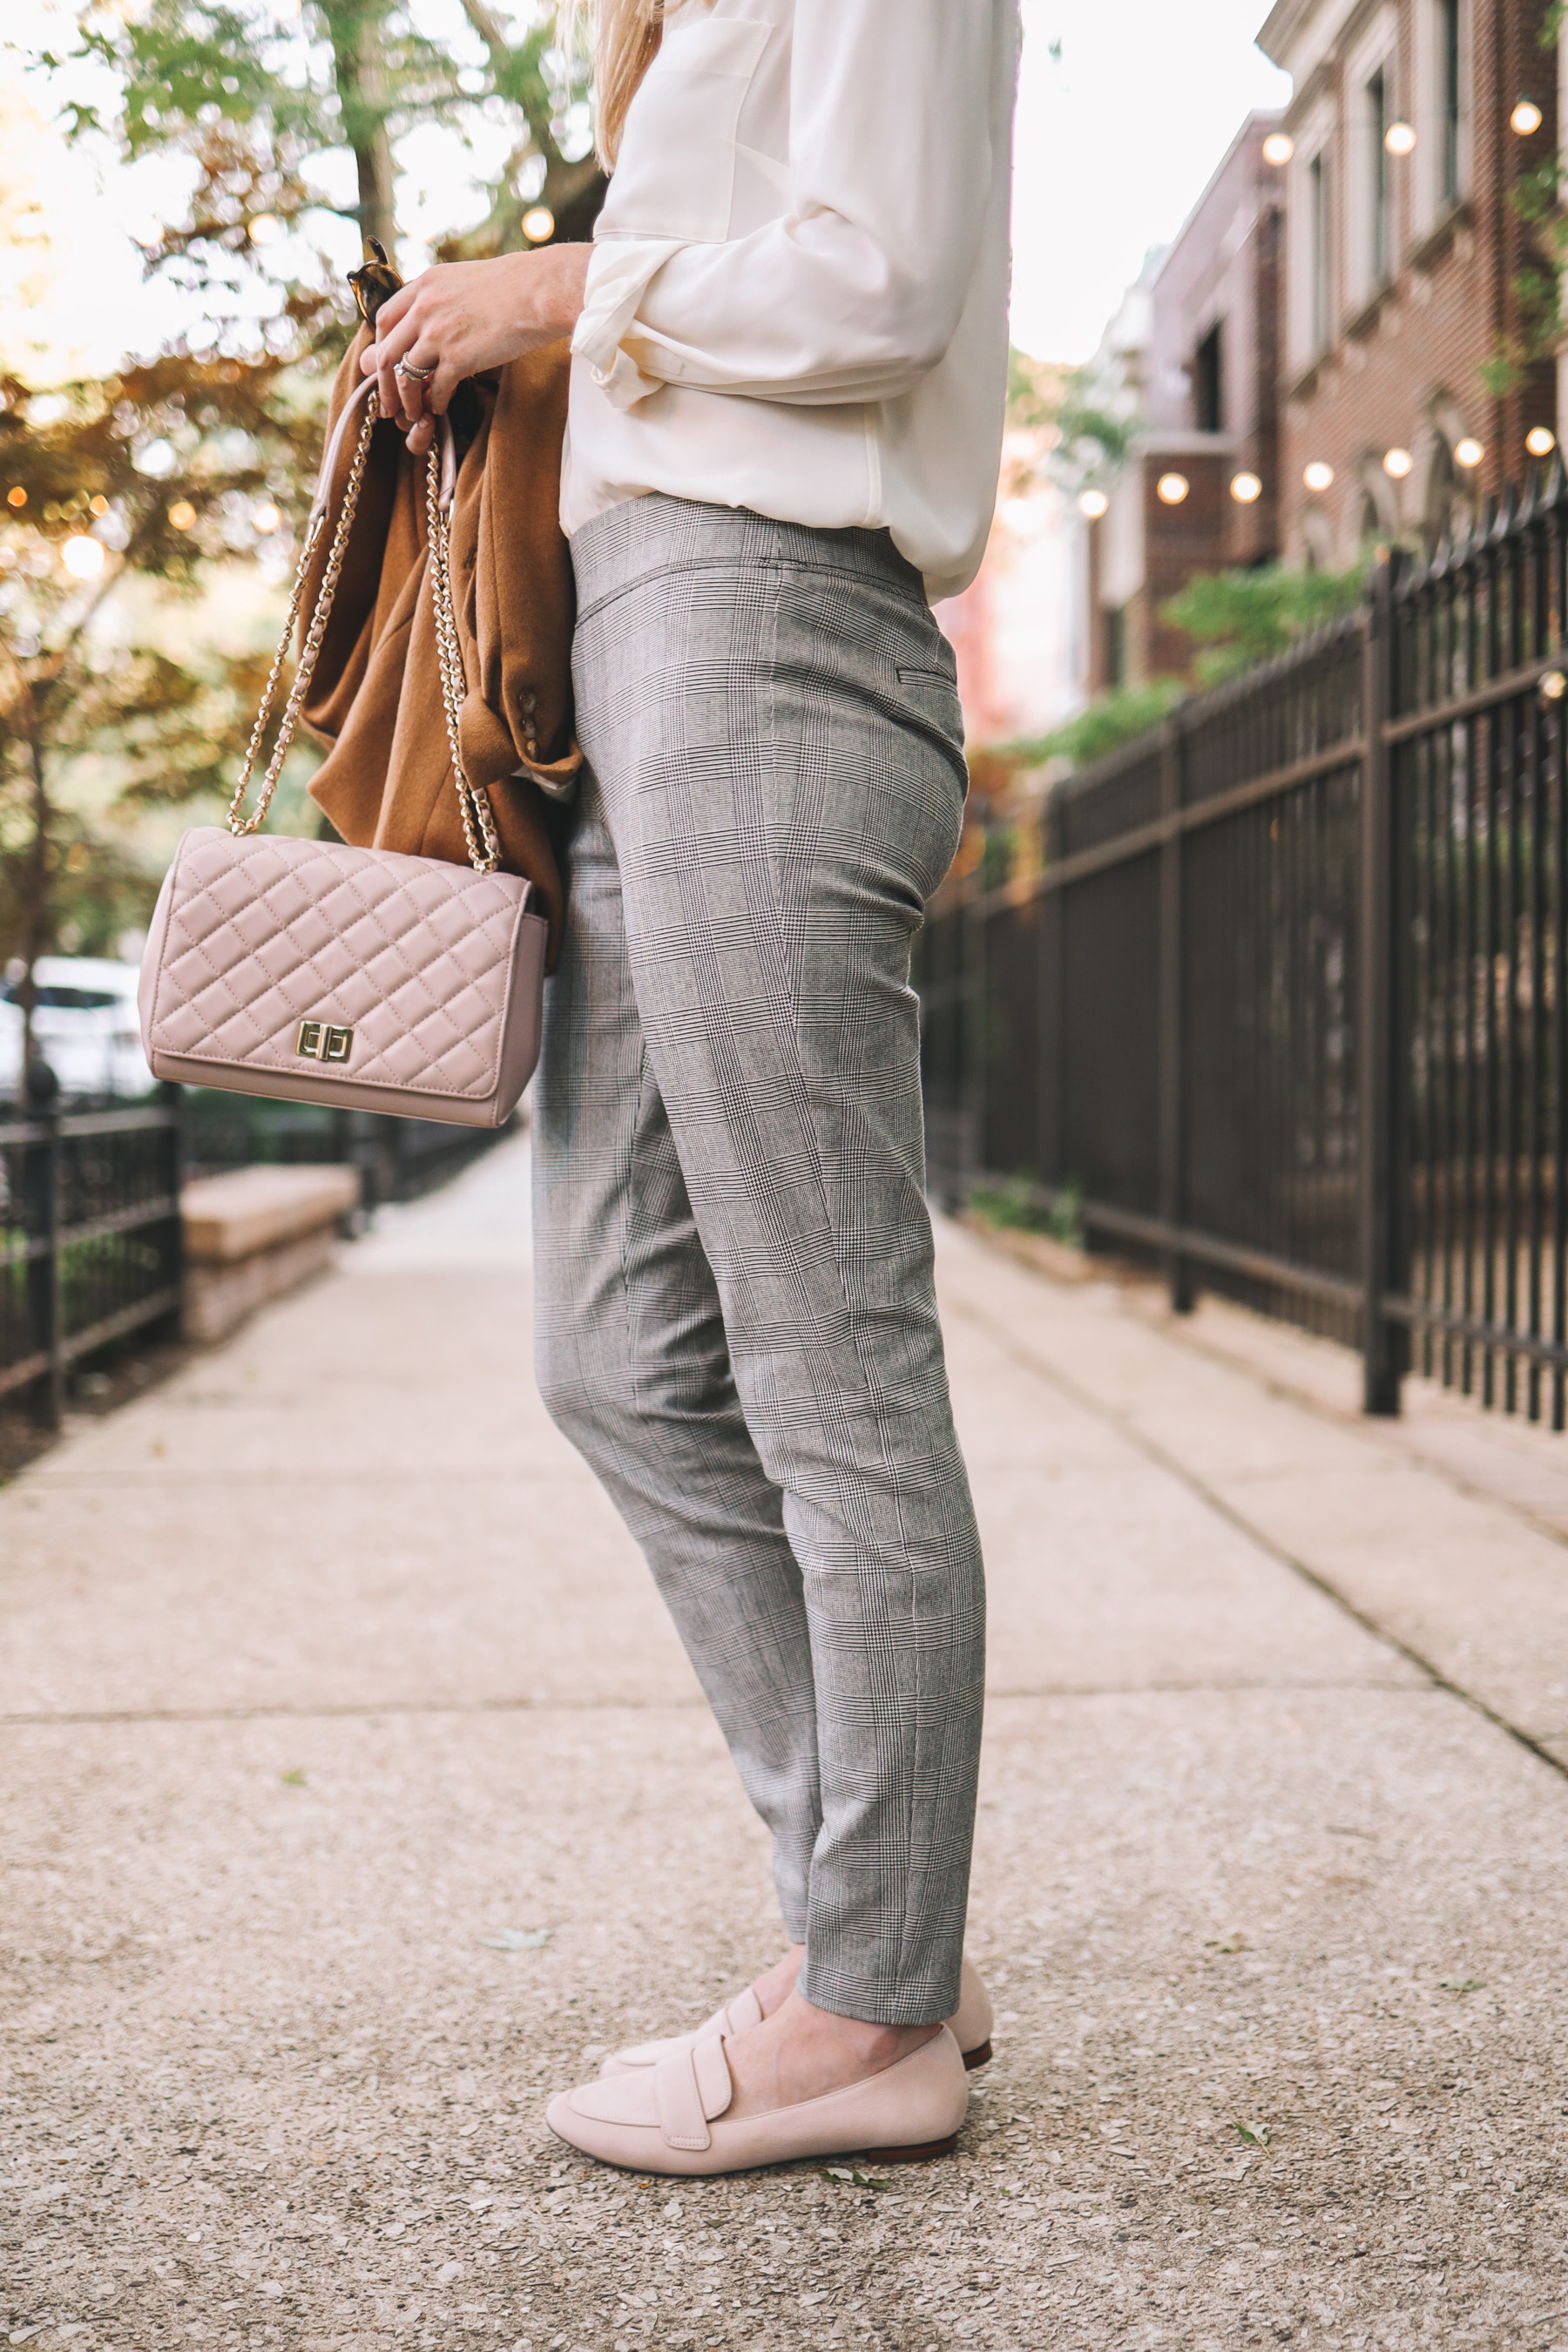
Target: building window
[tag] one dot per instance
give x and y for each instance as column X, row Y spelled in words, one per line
column 1318, row 252
column 1116, row 645
column 1209, row 383
column 1377, row 178
column 1447, row 94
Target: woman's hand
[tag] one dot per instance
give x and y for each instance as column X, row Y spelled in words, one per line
column 463, row 315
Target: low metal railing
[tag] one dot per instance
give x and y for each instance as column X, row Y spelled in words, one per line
column 89, row 1239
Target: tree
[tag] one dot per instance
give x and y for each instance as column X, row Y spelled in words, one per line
column 148, row 477
column 261, row 98
column 178, row 465
column 1082, row 440
column 1242, row 618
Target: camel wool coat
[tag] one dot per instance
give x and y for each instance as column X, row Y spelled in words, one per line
column 376, row 700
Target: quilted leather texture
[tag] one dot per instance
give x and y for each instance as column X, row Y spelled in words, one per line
column 416, row 956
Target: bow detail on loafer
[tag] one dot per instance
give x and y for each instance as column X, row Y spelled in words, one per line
column 674, row 2118
column 689, row 2090
column 736, row 2017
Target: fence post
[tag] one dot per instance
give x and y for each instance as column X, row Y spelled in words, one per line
column 1172, row 1105
column 974, row 1033
column 1382, row 1348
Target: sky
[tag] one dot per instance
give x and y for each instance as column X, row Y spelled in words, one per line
column 1115, row 140
column 1115, row 144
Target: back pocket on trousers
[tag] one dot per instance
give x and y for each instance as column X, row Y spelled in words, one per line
column 935, row 697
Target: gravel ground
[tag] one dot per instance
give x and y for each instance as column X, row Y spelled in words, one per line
column 1274, row 1923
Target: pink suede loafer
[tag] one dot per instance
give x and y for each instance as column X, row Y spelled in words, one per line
column 670, row 2117
column 970, row 2026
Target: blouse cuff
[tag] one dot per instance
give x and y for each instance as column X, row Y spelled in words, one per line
column 618, row 276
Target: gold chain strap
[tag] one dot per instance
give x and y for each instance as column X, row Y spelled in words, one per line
column 472, row 799
column 238, row 824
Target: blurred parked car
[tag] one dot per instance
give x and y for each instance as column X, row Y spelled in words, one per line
column 84, row 1025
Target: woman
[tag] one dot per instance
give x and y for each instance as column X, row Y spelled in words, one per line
column 790, row 357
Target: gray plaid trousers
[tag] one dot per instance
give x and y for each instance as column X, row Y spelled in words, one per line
column 736, row 1322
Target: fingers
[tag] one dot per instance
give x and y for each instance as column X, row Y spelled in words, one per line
column 394, row 340
column 395, row 307
column 406, row 333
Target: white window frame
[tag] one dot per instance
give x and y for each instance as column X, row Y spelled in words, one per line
column 1432, row 201
column 1314, row 139
column 1375, row 53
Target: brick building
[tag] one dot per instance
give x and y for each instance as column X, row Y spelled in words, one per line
column 1403, row 248
column 1193, row 357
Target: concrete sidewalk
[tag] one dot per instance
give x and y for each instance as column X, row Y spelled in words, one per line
column 355, row 1793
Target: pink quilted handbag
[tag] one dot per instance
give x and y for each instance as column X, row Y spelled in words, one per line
column 359, row 977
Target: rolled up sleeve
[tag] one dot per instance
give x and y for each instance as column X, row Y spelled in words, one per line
column 855, row 293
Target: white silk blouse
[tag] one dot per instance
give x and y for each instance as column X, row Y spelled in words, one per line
column 797, row 298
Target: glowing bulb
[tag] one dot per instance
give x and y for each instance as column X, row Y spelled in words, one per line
column 1541, row 440
column 1400, row 138
column 181, row 514
column 99, row 505
column 82, row 557
column 267, row 518
column 1316, row 476
column 1093, row 503
column 1278, row 147
column 1397, row 462
column 17, row 497
column 1525, row 118
column 1172, row 488
column 1467, row 452
column 1245, row 489
column 539, row 223
column 266, row 229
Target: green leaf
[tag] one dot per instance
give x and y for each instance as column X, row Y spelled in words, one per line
column 1461, row 1984
column 1256, row 2134
column 294, row 1779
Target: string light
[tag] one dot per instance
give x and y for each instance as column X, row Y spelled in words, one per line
column 1397, row 463
column 539, row 225
column 81, row 556
column 265, row 229
column 1541, row 440
column 267, row 518
column 1316, row 476
column 1172, row 488
column 1400, row 138
column 17, row 497
column 181, row 514
column 1526, row 116
column 1245, row 489
column 1093, row 503
column 1278, row 147
column 1469, row 452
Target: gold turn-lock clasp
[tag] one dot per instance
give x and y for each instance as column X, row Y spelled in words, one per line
column 319, row 1041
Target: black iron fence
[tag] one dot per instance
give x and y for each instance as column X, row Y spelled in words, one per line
column 1277, row 995
column 89, row 1239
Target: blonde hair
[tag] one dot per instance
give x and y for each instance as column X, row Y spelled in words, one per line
column 624, row 38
